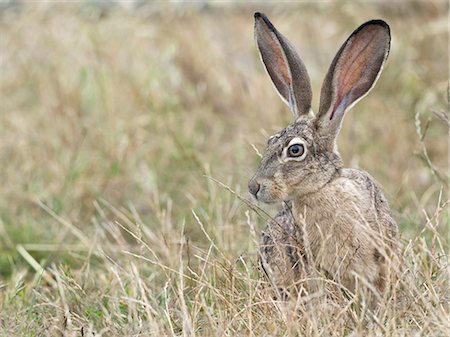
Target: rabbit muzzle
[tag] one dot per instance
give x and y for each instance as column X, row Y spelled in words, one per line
column 264, row 190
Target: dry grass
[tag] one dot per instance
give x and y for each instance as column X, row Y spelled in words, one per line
column 111, row 120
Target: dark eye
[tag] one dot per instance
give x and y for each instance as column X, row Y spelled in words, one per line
column 296, row 150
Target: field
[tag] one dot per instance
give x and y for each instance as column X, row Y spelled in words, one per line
column 128, row 136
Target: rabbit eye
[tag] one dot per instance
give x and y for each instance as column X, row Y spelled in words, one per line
column 296, row 150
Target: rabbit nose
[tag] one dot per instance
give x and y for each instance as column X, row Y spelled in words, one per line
column 253, row 187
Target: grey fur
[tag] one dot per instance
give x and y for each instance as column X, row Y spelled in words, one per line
column 334, row 219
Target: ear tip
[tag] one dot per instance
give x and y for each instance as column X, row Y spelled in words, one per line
column 261, row 16
column 378, row 22
column 381, row 23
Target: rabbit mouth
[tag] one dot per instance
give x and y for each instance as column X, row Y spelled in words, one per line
column 264, row 195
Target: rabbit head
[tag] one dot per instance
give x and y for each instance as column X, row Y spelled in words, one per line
column 303, row 157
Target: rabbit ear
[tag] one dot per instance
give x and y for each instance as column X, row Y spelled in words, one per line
column 285, row 68
column 353, row 72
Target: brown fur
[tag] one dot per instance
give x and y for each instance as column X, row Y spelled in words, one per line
column 334, row 219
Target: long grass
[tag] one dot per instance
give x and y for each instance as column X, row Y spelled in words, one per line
column 128, row 135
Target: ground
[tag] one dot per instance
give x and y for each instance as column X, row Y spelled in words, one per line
column 128, row 136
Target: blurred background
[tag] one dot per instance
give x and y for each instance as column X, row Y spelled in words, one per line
column 113, row 111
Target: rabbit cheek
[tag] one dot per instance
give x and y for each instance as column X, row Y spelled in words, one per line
column 289, row 181
column 270, row 192
column 281, row 186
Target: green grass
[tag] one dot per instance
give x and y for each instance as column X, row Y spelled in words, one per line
column 112, row 121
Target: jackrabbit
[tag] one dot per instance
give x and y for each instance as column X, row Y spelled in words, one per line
column 333, row 218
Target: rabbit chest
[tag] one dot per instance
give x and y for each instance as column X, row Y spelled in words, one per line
column 338, row 229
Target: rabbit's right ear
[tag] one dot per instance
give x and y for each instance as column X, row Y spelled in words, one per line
column 352, row 74
column 285, row 68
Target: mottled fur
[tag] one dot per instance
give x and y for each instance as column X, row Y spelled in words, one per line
column 334, row 219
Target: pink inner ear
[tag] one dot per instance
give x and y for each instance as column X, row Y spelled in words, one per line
column 279, row 60
column 274, row 60
column 351, row 70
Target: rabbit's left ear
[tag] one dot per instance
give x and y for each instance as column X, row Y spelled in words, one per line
column 284, row 66
column 353, row 72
